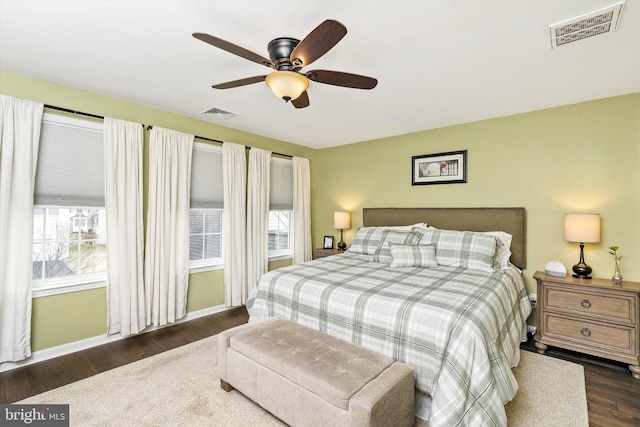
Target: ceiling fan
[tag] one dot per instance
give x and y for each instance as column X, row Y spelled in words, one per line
column 288, row 56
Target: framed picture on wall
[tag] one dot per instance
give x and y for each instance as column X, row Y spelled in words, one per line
column 439, row 168
column 328, row 242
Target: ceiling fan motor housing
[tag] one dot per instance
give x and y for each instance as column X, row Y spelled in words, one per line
column 280, row 52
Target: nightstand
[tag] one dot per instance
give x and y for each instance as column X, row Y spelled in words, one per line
column 593, row 316
column 321, row 253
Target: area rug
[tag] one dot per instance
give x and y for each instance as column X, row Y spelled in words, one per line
column 180, row 387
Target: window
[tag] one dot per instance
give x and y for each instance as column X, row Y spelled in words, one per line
column 79, row 223
column 207, row 200
column 280, row 232
column 281, row 207
column 69, row 218
column 205, row 234
column 62, row 249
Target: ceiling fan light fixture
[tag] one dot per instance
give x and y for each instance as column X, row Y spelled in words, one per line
column 287, row 85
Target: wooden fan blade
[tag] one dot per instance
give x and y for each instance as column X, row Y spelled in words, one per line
column 240, row 82
column 338, row 78
column 302, row 101
column 318, row 42
column 232, row 48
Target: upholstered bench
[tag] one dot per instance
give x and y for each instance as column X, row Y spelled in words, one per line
column 308, row 378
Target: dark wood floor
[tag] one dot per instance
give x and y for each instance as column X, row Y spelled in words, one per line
column 613, row 394
column 37, row 378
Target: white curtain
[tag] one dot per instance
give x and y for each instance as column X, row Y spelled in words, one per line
column 234, row 170
column 20, row 122
column 167, row 249
column 125, row 233
column 258, row 215
column 301, row 210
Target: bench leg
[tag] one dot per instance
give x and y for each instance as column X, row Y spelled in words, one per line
column 226, row 386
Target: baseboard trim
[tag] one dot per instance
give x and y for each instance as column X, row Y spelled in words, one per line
column 64, row 349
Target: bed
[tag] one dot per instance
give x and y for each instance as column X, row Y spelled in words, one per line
column 458, row 327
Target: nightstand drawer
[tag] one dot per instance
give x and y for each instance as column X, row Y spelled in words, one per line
column 322, row 253
column 610, row 307
column 619, row 339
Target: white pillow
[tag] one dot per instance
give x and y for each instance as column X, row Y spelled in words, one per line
column 416, row 227
column 503, row 250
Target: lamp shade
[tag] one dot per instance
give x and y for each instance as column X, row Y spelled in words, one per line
column 341, row 220
column 287, row 85
column 583, row 228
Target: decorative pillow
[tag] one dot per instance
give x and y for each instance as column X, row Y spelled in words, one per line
column 413, row 256
column 367, row 240
column 464, row 249
column 383, row 253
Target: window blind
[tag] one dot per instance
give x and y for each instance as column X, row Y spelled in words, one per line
column 70, row 170
column 281, row 185
column 206, row 177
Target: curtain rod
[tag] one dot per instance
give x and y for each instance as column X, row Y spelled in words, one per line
column 95, row 116
column 222, row 142
column 80, row 113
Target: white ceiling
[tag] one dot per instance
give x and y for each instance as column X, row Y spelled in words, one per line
column 438, row 63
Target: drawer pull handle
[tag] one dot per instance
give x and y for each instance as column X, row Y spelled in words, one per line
column 586, row 303
column 586, row 332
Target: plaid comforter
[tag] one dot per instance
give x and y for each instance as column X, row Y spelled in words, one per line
column 458, row 329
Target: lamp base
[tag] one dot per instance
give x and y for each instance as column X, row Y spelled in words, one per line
column 342, row 246
column 582, row 271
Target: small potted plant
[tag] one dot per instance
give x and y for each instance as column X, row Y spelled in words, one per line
column 617, row 277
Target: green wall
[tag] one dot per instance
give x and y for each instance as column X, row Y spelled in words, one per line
column 70, row 317
column 65, row 318
column 577, row 158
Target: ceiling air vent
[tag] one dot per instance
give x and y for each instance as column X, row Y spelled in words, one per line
column 601, row 21
column 219, row 114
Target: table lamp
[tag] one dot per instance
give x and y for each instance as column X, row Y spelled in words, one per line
column 582, row 228
column 341, row 220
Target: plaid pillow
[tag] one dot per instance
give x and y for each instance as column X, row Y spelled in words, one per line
column 367, row 240
column 503, row 250
column 413, row 256
column 383, row 253
column 464, row 249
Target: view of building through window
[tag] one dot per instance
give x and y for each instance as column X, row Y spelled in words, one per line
column 280, row 230
column 68, row 241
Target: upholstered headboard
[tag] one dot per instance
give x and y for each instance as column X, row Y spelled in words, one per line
column 509, row 220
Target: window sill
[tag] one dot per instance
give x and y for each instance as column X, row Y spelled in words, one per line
column 202, row 268
column 101, row 280
column 65, row 288
column 280, row 256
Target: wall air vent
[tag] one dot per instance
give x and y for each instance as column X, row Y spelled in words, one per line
column 601, row 21
column 219, row 114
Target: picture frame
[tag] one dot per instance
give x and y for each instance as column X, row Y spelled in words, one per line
column 328, row 242
column 439, row 168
